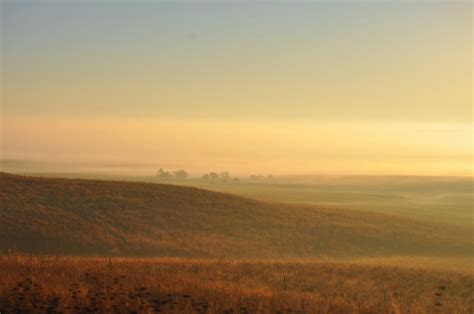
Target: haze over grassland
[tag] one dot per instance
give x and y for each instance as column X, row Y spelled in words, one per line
column 133, row 218
column 236, row 157
column 437, row 199
column 378, row 95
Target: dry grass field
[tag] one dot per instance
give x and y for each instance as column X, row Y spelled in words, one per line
column 212, row 252
column 93, row 217
column 430, row 198
column 173, row 285
column 236, row 157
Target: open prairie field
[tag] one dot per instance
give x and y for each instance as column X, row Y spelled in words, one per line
column 191, row 156
column 90, row 217
column 143, row 247
column 173, row 285
column 211, row 252
column 436, row 199
column 442, row 199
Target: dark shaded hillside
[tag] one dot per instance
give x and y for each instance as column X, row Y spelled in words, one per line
column 125, row 218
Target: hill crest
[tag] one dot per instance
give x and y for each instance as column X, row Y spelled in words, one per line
column 94, row 217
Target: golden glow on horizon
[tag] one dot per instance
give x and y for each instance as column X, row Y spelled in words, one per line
column 323, row 87
column 247, row 146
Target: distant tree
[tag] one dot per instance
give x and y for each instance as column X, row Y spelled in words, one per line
column 257, row 177
column 163, row 174
column 180, row 174
column 225, row 176
column 214, row 176
column 269, row 177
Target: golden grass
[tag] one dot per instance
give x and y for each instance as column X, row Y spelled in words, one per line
column 174, row 285
column 86, row 217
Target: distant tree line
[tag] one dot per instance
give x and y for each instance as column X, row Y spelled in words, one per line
column 178, row 174
column 214, row 177
column 224, row 177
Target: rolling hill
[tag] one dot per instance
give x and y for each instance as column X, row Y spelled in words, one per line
column 92, row 217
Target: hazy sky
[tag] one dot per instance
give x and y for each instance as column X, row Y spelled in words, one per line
column 311, row 87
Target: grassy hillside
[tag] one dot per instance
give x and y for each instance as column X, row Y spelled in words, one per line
column 129, row 218
column 436, row 199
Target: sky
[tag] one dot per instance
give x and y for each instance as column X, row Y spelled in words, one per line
column 327, row 87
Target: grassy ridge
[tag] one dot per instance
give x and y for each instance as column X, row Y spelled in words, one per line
column 436, row 199
column 128, row 218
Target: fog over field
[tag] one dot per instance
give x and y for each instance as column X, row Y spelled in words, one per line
column 195, row 156
column 435, row 198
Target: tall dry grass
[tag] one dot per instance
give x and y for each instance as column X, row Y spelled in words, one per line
column 167, row 285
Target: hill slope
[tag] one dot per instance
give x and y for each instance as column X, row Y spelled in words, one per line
column 125, row 218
